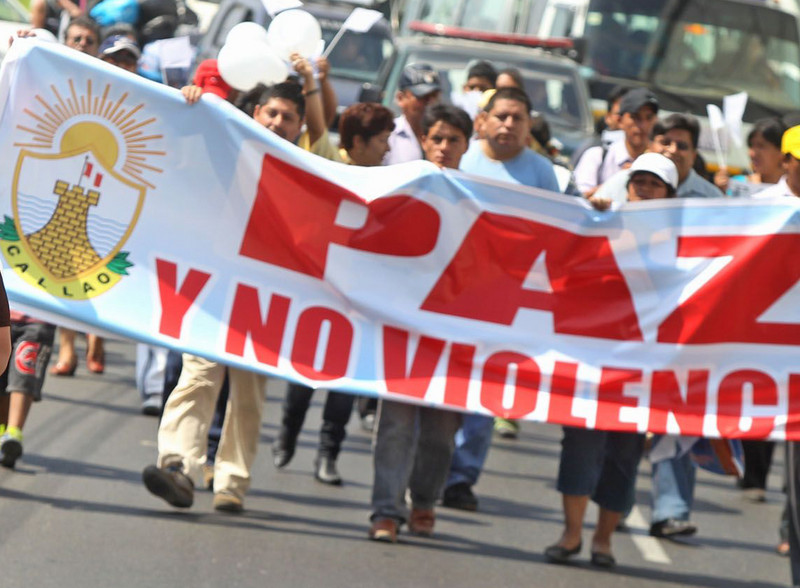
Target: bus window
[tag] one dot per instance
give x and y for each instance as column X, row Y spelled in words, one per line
column 482, row 15
column 706, row 48
column 441, row 11
column 487, row 15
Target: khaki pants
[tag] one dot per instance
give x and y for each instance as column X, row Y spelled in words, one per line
column 183, row 433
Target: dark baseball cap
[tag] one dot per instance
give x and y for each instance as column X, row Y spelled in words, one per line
column 634, row 99
column 420, row 79
column 117, row 43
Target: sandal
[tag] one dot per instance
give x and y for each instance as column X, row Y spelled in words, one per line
column 559, row 554
column 603, row 560
column 95, row 354
column 63, row 368
column 96, row 366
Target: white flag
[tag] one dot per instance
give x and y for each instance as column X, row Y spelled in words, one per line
column 273, row 7
column 715, row 119
column 361, row 20
column 733, row 110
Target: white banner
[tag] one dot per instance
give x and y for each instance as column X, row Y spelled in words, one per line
column 195, row 228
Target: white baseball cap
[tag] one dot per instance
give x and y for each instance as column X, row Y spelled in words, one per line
column 658, row 165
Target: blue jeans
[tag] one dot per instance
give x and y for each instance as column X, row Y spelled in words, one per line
column 673, row 488
column 473, row 440
column 413, row 449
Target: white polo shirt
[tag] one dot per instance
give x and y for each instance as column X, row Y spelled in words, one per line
column 403, row 143
column 592, row 169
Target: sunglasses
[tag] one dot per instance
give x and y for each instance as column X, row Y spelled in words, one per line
column 90, row 40
column 680, row 145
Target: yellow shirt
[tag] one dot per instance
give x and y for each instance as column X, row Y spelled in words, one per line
column 321, row 147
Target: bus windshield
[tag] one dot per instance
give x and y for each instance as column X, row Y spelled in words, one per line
column 699, row 47
column 482, row 15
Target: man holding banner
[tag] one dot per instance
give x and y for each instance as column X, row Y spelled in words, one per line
column 500, row 155
column 414, row 445
column 182, row 441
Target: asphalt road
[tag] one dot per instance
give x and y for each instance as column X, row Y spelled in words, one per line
column 75, row 513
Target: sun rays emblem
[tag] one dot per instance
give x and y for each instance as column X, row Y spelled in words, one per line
column 78, row 189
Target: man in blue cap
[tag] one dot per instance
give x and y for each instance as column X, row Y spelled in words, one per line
column 121, row 51
column 419, row 86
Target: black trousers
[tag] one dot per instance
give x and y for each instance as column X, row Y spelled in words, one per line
column 757, row 460
column 335, row 416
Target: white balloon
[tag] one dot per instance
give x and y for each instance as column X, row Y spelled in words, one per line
column 294, row 31
column 247, row 31
column 243, row 65
column 273, row 69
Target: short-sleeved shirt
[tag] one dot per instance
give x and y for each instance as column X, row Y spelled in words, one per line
column 696, row 187
column 403, row 144
column 322, row 146
column 593, row 168
column 779, row 189
column 528, row 168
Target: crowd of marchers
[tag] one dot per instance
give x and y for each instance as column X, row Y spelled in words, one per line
column 210, row 414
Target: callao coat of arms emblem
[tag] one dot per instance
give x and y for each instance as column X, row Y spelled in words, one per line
column 77, row 191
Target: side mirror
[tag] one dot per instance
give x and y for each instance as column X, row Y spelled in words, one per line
column 370, row 93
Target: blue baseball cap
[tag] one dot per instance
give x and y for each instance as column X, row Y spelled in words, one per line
column 117, row 43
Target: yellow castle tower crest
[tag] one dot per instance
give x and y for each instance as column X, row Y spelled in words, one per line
column 78, row 190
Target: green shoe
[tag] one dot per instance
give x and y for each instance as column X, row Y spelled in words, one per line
column 506, row 428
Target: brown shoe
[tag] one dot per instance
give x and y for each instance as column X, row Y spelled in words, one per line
column 421, row 522
column 169, row 483
column 384, row 530
column 227, row 501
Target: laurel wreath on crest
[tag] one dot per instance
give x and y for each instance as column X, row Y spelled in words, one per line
column 119, row 264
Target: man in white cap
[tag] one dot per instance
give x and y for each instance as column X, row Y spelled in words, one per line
column 601, row 465
column 650, row 177
column 676, row 138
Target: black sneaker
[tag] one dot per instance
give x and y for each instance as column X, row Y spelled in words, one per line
column 672, row 528
column 10, row 450
column 460, row 496
column 169, row 483
column 325, row 471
